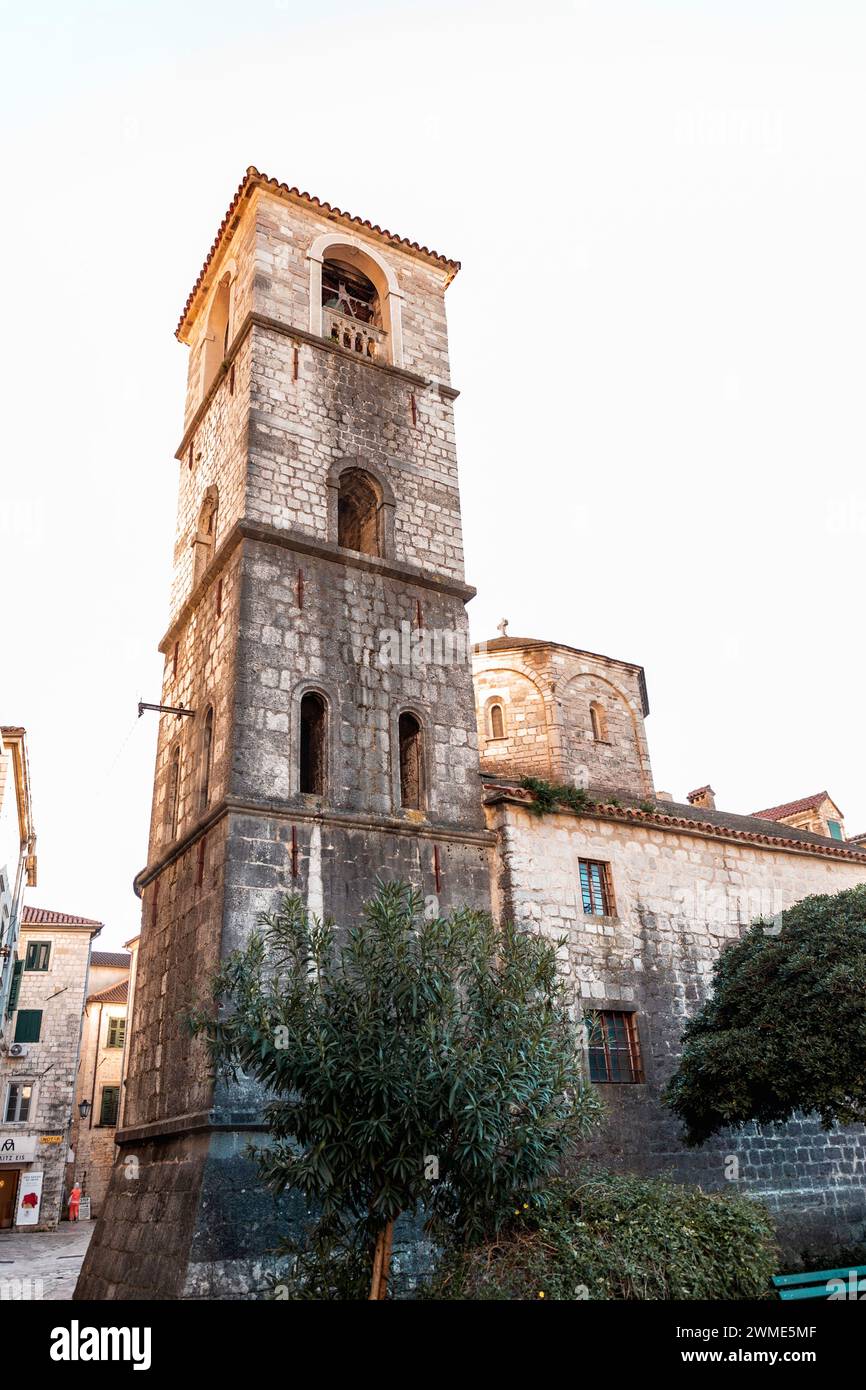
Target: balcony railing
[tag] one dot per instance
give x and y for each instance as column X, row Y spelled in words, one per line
column 350, row 333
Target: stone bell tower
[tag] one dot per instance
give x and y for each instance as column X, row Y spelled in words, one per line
column 318, row 633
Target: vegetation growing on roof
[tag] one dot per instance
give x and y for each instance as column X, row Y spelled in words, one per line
column 548, row 796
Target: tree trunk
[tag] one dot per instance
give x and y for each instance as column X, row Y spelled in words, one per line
column 382, row 1262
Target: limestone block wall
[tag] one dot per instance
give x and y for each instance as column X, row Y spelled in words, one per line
column 337, row 641
column 547, row 693
column 285, row 233
column 680, row 899
column 337, row 409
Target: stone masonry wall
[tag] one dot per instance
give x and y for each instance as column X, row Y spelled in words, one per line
column 680, row 899
column 546, row 692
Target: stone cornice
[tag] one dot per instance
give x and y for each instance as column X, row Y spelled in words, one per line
column 305, row 545
column 298, row 335
column 299, row 815
column 679, row 825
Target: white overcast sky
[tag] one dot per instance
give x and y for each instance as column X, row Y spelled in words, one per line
column 657, row 333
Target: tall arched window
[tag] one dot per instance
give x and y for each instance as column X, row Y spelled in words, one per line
column 497, row 722
column 216, row 339
column 599, row 722
column 172, row 800
column 358, row 525
column 205, row 536
column 312, row 751
column 411, row 763
column 206, row 759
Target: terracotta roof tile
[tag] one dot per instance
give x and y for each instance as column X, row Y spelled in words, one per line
column 674, row 815
column 114, row 994
column 791, row 808
column 118, row 959
column 45, row 917
column 253, row 178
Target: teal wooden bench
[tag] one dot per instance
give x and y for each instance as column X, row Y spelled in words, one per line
column 839, row 1284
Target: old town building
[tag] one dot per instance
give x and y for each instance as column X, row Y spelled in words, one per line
column 39, row 1062
column 645, row 892
column 329, row 734
column 100, row 1075
column 17, row 847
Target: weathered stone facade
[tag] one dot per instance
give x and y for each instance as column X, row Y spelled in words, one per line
column 271, row 605
column 685, row 882
column 39, row 1062
column 318, row 544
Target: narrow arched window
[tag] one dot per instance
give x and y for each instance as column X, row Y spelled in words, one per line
column 173, row 793
column 216, row 339
column 411, row 763
column 205, row 536
column 312, row 768
column 206, row 759
column 497, row 722
column 358, row 513
column 599, row 722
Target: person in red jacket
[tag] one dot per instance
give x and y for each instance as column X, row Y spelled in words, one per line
column 74, row 1201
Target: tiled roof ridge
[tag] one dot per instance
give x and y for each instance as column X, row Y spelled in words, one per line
column 834, row 849
column 791, row 808
column 46, row 916
column 255, row 178
column 117, row 993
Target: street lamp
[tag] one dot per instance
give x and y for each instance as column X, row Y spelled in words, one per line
column 84, row 1109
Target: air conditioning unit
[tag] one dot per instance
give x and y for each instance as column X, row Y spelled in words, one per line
column 18, row 1050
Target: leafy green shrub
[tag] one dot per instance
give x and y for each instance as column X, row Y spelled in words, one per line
column 612, row 1236
column 415, row 1064
column 785, row 1027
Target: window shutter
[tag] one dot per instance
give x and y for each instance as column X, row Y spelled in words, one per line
column 15, row 988
column 108, row 1108
column 28, row 1025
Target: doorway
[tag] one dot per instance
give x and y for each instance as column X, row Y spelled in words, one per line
column 8, row 1196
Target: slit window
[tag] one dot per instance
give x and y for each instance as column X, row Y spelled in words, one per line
column 599, row 722
column 613, row 1047
column 312, row 741
column 596, row 888
column 497, row 722
column 206, row 759
column 411, row 763
column 173, row 798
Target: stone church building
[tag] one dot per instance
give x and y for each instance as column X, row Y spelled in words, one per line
column 304, row 750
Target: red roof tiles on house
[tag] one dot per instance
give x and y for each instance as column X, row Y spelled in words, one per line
column 792, row 808
column 114, row 994
column 45, row 917
column 118, row 959
column 254, row 179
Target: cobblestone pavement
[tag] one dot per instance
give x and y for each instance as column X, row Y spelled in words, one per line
column 43, row 1264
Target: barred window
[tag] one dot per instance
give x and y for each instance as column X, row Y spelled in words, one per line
column 614, row 1048
column 596, row 888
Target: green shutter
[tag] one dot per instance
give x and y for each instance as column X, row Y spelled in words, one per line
column 28, row 1025
column 108, row 1108
column 15, row 988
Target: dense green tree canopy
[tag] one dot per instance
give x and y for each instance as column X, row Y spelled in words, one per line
column 415, row 1063
column 785, row 1027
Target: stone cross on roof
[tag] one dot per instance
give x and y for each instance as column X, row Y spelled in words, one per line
column 502, row 626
